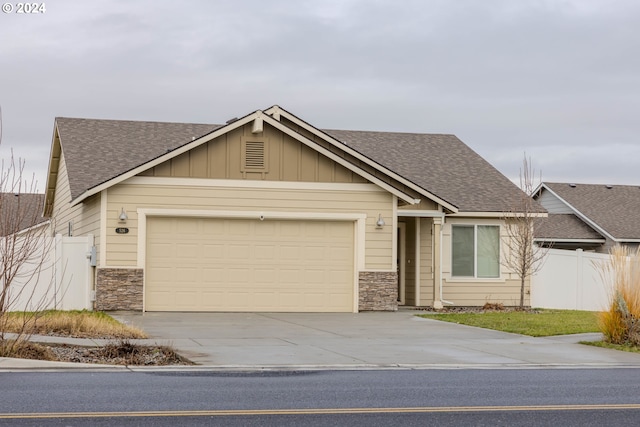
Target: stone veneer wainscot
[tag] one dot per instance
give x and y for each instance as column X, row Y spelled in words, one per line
column 119, row 289
column 378, row 291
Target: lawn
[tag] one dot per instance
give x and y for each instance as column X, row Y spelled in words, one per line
column 535, row 323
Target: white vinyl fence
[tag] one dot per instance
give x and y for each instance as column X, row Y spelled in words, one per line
column 65, row 280
column 571, row 280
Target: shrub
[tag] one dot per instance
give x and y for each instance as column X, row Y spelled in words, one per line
column 620, row 323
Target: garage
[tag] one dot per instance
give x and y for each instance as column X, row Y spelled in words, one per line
column 214, row 264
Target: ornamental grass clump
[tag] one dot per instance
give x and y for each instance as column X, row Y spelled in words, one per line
column 620, row 323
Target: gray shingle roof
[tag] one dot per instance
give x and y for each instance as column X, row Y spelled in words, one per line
column 96, row 151
column 441, row 164
column 564, row 226
column 18, row 212
column 615, row 209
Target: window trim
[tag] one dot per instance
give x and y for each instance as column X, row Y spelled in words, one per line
column 475, row 252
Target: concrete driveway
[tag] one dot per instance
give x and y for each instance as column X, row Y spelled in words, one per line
column 370, row 339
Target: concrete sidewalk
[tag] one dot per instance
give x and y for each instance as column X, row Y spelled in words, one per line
column 363, row 340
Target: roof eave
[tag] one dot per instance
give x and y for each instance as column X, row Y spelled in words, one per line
column 563, row 240
column 486, row 214
column 51, row 183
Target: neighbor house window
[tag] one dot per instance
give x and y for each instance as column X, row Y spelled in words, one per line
column 475, row 251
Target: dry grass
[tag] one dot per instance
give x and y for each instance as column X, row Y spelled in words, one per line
column 25, row 350
column 620, row 324
column 78, row 324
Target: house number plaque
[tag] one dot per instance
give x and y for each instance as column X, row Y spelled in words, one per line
column 122, row 230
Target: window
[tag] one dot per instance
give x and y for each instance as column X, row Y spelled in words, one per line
column 475, row 251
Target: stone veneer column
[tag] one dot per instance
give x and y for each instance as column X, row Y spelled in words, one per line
column 119, row 289
column 378, row 291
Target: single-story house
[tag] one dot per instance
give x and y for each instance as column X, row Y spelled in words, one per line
column 269, row 213
column 592, row 217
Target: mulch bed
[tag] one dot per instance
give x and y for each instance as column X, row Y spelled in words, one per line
column 118, row 353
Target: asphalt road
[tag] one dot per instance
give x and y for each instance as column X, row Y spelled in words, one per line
column 402, row 397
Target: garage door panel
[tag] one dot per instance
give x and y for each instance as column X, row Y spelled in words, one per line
column 198, row 264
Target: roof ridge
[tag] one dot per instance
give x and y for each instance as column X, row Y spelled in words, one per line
column 387, row 132
column 137, row 121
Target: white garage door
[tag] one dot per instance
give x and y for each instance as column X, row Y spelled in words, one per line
column 204, row 264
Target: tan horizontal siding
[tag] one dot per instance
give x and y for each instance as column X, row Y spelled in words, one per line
column 378, row 246
column 85, row 216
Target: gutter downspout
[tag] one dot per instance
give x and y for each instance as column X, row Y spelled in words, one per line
column 440, row 269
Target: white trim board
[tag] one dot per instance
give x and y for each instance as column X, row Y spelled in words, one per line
column 243, row 183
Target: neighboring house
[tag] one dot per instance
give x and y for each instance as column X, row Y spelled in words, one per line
column 591, row 217
column 268, row 213
column 20, row 211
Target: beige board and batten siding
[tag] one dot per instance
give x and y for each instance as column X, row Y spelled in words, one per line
column 286, row 159
column 476, row 291
column 221, row 195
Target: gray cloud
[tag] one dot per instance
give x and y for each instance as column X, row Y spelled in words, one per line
column 557, row 79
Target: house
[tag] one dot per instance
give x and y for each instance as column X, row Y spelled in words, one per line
column 591, row 217
column 269, row 213
column 20, row 212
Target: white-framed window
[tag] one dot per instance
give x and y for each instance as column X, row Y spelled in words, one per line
column 475, row 251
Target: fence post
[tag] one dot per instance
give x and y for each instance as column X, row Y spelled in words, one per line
column 579, row 278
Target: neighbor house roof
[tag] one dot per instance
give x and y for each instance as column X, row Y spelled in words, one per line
column 614, row 209
column 97, row 151
column 564, row 227
column 20, row 211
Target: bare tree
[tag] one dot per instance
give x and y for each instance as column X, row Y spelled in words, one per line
column 25, row 245
column 523, row 257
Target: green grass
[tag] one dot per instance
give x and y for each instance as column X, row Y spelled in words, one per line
column 621, row 347
column 539, row 323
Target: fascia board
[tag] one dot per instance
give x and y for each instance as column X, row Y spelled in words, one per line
column 52, row 185
column 497, row 214
column 560, row 240
column 178, row 151
column 359, row 156
column 582, row 216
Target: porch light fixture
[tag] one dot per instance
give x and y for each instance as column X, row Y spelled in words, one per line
column 380, row 223
column 123, row 216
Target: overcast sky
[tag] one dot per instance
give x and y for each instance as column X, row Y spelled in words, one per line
column 557, row 79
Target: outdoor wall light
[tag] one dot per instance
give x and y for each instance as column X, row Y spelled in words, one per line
column 123, row 216
column 380, row 223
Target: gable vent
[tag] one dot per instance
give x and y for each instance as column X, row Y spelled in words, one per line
column 254, row 155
